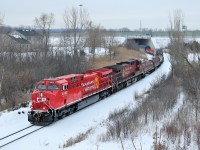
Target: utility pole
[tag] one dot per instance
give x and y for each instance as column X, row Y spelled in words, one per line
column 80, row 8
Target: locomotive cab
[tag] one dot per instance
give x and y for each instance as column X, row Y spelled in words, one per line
column 43, row 94
column 43, row 99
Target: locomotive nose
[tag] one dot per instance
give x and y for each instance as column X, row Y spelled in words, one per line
column 40, row 101
column 41, row 111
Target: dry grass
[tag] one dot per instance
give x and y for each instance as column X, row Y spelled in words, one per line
column 139, row 96
column 77, row 139
column 121, row 54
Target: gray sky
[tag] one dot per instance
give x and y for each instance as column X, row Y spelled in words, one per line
column 109, row 13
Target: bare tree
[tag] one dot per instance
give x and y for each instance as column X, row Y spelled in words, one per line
column 1, row 22
column 186, row 71
column 110, row 43
column 77, row 23
column 44, row 23
column 95, row 38
column 1, row 18
column 191, row 82
column 177, row 50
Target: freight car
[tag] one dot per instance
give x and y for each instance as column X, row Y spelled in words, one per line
column 55, row 98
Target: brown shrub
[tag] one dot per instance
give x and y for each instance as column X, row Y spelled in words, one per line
column 121, row 54
column 78, row 139
column 123, row 122
column 171, row 131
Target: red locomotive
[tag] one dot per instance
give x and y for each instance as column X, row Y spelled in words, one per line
column 55, row 98
column 149, row 50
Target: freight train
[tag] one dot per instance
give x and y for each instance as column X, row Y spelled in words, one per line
column 55, row 98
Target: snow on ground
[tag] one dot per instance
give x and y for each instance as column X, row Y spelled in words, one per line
column 55, row 40
column 98, row 51
column 56, row 43
column 191, row 39
column 158, row 42
column 120, row 39
column 12, row 121
column 162, row 42
column 54, row 136
column 194, row 57
column 145, row 137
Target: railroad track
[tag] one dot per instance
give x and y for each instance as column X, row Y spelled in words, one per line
column 6, row 140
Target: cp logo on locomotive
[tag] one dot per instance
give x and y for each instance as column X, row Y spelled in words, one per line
column 96, row 82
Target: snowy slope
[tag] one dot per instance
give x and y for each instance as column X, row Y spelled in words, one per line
column 160, row 42
column 54, row 136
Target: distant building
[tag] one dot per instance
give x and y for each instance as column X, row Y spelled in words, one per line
column 15, row 44
column 24, row 39
column 31, row 35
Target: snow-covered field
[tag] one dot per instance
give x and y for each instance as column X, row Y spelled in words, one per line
column 162, row 42
column 54, row 136
column 56, row 43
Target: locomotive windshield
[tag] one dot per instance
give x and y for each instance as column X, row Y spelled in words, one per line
column 41, row 87
column 53, row 87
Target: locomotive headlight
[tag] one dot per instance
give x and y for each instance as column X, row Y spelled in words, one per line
column 44, row 107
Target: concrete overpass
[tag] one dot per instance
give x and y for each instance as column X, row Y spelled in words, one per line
column 141, row 40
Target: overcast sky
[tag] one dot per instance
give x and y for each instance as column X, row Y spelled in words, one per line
column 109, row 13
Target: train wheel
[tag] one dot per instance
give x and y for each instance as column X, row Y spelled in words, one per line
column 75, row 108
column 69, row 112
column 62, row 116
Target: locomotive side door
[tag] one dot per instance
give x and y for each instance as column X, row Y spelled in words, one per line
column 64, row 93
